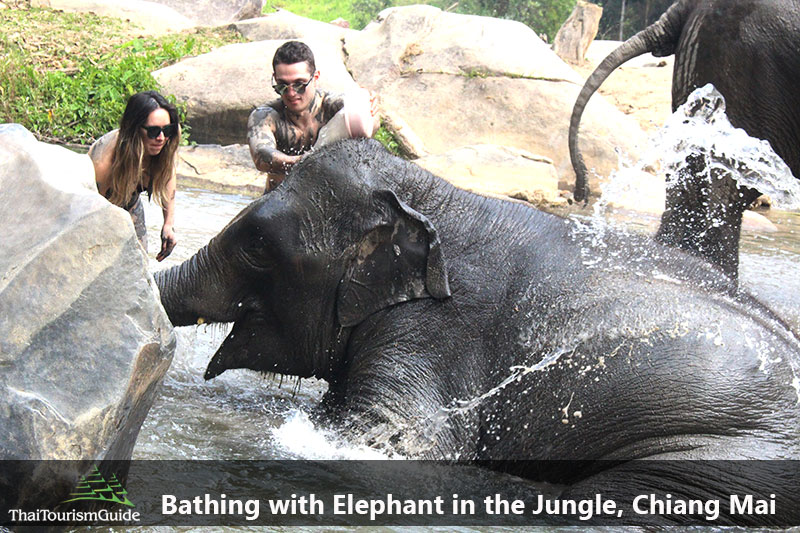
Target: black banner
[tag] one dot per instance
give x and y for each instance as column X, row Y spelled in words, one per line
column 353, row 493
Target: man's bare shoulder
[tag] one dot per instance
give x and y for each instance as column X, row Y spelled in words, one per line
column 331, row 104
column 274, row 110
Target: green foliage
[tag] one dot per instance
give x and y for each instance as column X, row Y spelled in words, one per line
column 71, row 81
column 366, row 10
column 388, row 140
column 542, row 16
column 325, row 11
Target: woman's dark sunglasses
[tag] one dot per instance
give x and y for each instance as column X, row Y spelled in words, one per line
column 298, row 86
column 153, row 131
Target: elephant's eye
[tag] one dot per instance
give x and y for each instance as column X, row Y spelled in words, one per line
column 256, row 252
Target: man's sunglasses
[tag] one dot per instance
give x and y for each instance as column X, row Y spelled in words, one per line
column 153, row 131
column 298, row 86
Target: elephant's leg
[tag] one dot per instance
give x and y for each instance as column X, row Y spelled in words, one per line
column 703, row 214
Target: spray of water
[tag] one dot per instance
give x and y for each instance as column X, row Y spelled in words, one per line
column 701, row 127
column 298, row 436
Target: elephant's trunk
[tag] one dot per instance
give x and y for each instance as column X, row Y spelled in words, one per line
column 186, row 290
column 660, row 38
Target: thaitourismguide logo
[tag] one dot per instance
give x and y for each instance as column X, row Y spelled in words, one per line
column 93, row 487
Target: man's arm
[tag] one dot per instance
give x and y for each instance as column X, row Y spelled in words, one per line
column 263, row 147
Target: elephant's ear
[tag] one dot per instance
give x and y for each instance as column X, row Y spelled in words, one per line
column 399, row 259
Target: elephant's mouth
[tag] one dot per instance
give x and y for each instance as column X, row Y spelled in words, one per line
column 238, row 349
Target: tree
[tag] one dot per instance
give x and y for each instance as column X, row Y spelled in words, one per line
column 623, row 18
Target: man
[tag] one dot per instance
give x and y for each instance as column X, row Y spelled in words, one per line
column 280, row 132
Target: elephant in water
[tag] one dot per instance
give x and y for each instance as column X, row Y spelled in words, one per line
column 452, row 325
column 748, row 50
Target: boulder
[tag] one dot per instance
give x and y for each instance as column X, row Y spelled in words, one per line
column 222, row 87
column 84, row 341
column 498, row 171
column 215, row 12
column 285, row 25
column 151, row 17
column 640, row 88
column 220, row 168
column 157, row 17
column 459, row 80
column 577, row 33
column 600, row 48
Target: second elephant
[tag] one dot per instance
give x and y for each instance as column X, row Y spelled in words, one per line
column 748, row 50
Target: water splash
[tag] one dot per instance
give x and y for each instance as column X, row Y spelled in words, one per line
column 299, row 437
column 699, row 127
column 438, row 421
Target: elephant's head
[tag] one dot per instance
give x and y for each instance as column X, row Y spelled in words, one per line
column 295, row 270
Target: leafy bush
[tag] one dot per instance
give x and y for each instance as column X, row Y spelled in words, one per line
column 324, row 11
column 542, row 16
column 388, row 140
column 69, row 83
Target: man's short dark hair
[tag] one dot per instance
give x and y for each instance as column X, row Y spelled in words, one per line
column 294, row 52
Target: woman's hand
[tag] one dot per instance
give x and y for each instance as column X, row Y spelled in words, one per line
column 168, row 242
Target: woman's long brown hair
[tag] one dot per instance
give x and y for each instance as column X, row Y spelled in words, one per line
column 126, row 162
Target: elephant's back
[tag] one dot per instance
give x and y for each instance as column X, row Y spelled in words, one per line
column 648, row 370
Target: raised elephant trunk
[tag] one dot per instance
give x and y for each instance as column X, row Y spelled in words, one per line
column 660, row 39
column 184, row 290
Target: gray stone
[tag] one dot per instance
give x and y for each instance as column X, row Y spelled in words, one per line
column 577, row 33
column 220, row 168
column 215, row 12
column 285, row 25
column 150, row 17
column 222, row 87
column 157, row 17
column 458, row 80
column 599, row 49
column 84, row 341
column 498, row 171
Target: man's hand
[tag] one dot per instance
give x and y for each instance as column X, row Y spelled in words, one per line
column 168, row 242
column 373, row 103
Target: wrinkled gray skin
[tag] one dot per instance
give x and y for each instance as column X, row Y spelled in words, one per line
column 408, row 295
column 749, row 51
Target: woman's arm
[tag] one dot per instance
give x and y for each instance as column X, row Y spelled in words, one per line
column 168, row 239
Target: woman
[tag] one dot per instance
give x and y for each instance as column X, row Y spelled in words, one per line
column 140, row 156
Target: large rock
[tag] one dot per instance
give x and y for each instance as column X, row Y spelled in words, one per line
column 640, row 88
column 577, row 33
column 84, row 341
column 220, row 168
column 215, row 12
column 285, row 25
column 222, row 87
column 498, row 171
column 458, row 80
column 151, row 17
column 163, row 16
